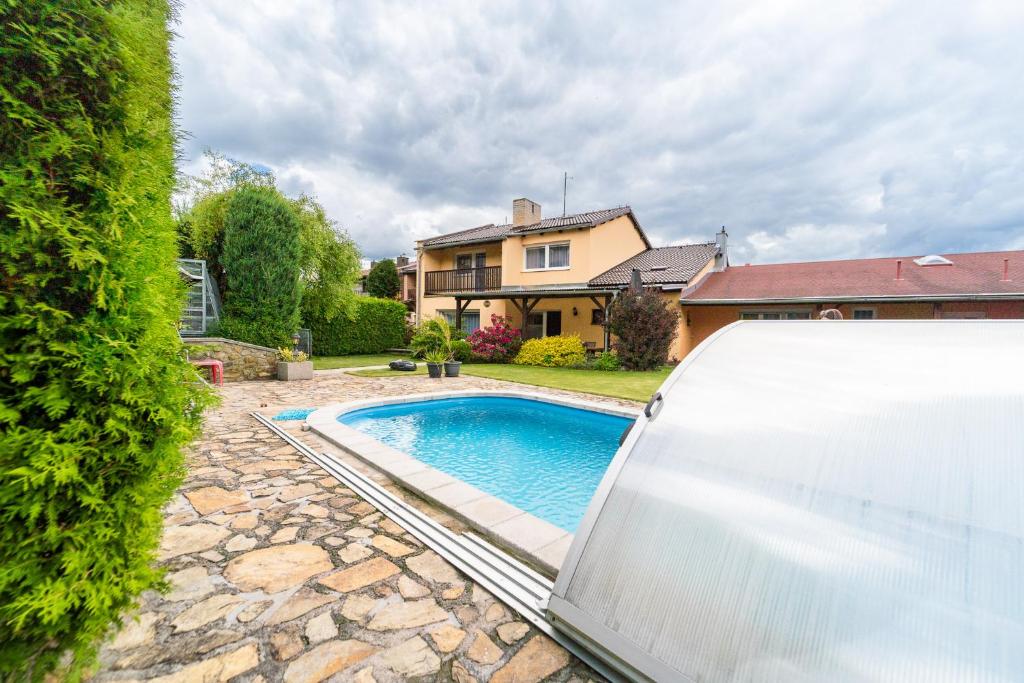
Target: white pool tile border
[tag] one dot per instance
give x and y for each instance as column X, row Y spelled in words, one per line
column 533, row 539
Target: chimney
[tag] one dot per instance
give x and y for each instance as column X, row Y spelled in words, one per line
column 1006, row 270
column 899, row 269
column 722, row 257
column 402, row 260
column 636, row 282
column 525, row 212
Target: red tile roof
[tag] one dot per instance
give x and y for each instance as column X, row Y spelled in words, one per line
column 971, row 275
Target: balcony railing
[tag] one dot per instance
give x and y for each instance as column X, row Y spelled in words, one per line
column 462, row 280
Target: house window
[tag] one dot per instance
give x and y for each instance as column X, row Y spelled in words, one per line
column 546, row 257
column 863, row 314
column 597, row 316
column 470, row 320
column 543, row 324
column 775, row 315
column 469, row 261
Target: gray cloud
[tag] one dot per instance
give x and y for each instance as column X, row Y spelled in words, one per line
column 811, row 131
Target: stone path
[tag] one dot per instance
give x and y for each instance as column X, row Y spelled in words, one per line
column 278, row 572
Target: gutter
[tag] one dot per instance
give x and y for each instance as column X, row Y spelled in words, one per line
column 880, row 298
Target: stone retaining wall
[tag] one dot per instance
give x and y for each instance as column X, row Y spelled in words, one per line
column 242, row 361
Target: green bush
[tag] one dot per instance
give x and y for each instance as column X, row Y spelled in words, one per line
column 261, row 257
column 644, row 326
column 606, row 361
column 433, row 334
column 96, row 399
column 461, row 350
column 552, row 352
column 382, row 281
column 375, row 326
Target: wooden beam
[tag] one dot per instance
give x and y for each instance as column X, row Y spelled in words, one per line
column 529, row 308
column 596, row 302
column 607, row 333
column 516, row 304
column 458, row 313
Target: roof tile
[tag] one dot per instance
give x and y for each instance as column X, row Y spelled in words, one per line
column 970, row 274
column 663, row 265
column 493, row 232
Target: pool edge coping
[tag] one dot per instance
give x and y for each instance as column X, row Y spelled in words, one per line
column 534, row 540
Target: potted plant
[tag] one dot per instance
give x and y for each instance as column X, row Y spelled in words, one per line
column 451, row 363
column 293, row 365
column 435, row 360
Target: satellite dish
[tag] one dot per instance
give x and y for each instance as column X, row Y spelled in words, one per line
column 830, row 314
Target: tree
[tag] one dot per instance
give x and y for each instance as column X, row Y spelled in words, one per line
column 96, row 399
column 262, row 262
column 329, row 264
column 383, row 280
column 329, row 261
column 644, row 328
column 202, row 204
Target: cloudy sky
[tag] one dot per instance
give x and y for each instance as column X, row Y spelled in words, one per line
column 811, row 130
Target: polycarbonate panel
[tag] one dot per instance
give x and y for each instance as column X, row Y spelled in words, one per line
column 819, row 501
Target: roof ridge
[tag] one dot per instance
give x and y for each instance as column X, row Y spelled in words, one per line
column 883, row 258
column 459, row 232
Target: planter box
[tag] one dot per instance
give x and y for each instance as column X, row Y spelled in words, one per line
column 289, row 372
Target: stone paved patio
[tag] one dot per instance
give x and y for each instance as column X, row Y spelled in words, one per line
column 280, row 573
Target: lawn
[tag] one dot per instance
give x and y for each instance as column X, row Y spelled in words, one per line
column 357, row 361
column 636, row 386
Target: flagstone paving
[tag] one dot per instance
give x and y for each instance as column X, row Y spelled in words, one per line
column 278, row 572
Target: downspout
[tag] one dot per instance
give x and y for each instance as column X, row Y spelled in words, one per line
column 420, row 275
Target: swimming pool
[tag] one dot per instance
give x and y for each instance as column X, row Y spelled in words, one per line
column 543, row 458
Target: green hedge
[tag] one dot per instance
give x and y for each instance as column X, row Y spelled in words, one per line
column 96, row 398
column 261, row 256
column 377, row 325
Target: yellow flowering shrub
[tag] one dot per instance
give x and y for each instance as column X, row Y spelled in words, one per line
column 552, row 352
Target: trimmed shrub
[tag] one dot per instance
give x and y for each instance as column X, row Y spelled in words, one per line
column 644, row 327
column 606, row 361
column 552, row 352
column 375, row 326
column 461, row 351
column 262, row 260
column 498, row 343
column 96, row 399
column 382, row 280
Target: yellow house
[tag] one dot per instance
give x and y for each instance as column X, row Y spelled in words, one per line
column 551, row 276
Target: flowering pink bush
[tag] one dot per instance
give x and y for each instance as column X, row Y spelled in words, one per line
column 498, row 343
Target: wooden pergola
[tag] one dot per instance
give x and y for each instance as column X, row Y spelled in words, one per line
column 526, row 300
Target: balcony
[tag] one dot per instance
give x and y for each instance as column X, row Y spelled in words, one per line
column 462, row 280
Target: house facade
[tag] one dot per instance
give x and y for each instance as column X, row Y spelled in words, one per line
column 550, row 276
column 970, row 285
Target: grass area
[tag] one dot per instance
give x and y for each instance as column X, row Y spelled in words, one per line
column 636, row 386
column 357, row 361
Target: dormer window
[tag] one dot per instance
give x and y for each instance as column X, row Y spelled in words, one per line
column 933, row 260
column 546, row 257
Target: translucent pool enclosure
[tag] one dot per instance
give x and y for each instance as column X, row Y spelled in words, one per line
column 815, row 501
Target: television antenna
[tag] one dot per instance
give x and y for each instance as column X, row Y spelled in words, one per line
column 565, row 188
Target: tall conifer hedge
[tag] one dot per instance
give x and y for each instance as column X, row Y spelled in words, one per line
column 262, row 257
column 96, row 399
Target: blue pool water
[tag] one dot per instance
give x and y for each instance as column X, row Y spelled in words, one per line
column 545, row 459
